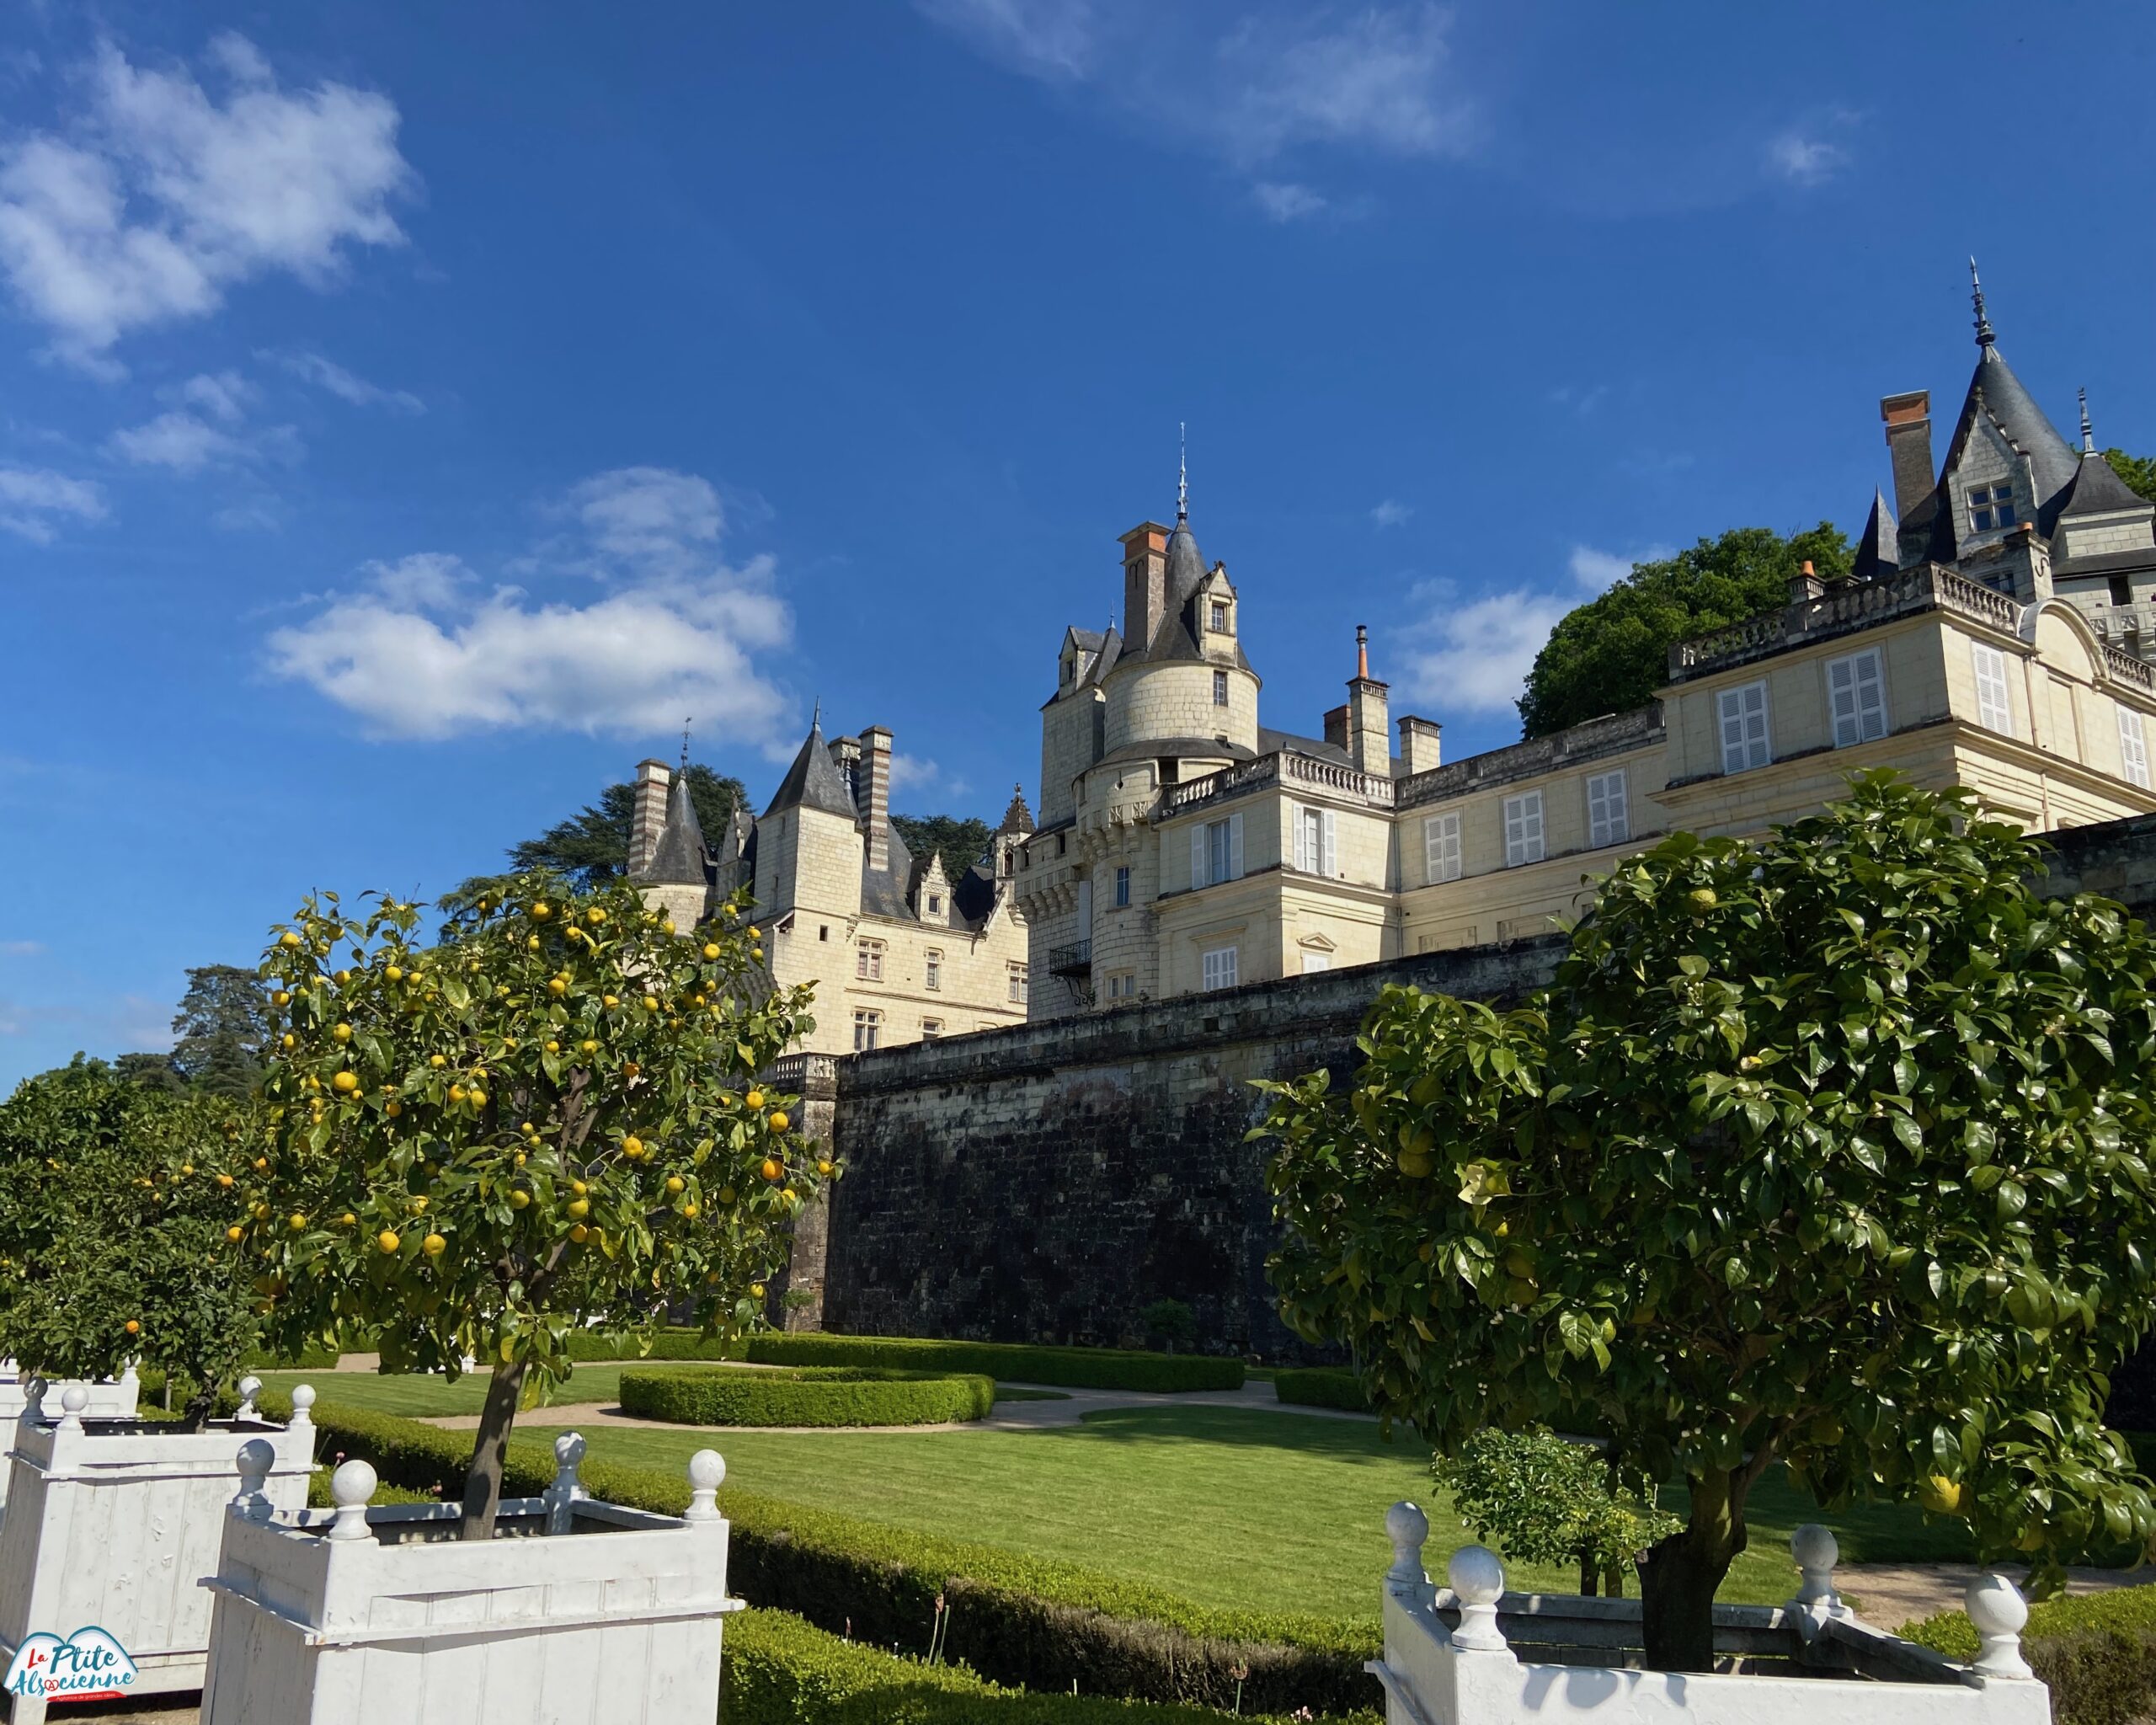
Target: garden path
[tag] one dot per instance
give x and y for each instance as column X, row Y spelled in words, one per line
column 1888, row 1595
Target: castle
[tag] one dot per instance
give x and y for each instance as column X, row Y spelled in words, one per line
column 1995, row 633
column 898, row 951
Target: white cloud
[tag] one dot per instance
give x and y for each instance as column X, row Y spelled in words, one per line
column 159, row 197
column 1389, row 514
column 423, row 650
column 178, row 440
column 30, row 497
column 1052, row 39
column 914, row 772
column 224, row 395
column 326, row 374
column 1286, row 202
column 20, row 948
column 1805, row 161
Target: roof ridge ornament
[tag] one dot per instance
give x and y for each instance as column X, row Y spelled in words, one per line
column 1182, row 471
column 2087, row 432
column 1985, row 338
column 687, row 723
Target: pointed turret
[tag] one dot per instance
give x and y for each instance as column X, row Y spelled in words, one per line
column 679, row 860
column 1017, row 818
column 1877, row 553
column 812, row 781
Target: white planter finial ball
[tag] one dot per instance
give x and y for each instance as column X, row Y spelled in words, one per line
column 303, row 1400
column 1479, row 1579
column 72, row 1401
column 256, row 1457
column 707, row 1473
column 249, row 1387
column 1997, row 1612
column 1817, row 1551
column 1407, row 1527
column 568, row 1452
column 351, row 1488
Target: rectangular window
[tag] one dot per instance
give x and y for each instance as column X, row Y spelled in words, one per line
column 1609, row 812
column 1994, row 705
column 1315, row 961
column 933, row 968
column 1315, row 848
column 1856, row 694
column 868, row 1028
column 1744, row 728
column 931, row 1029
column 1522, row 828
column 1014, row 975
column 868, row 961
column 1441, row 847
column 1216, row 852
column 1123, row 985
column 2121, row 590
column 1122, row 888
column 2133, row 747
column 1220, row 965
column 935, row 904
column 1991, row 506
column 1219, row 688
column 1220, row 618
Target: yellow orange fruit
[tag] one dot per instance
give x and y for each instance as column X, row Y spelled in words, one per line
column 824, row 1165
column 283, row 998
column 609, row 1001
column 224, row 1179
column 771, row 1170
column 579, row 1233
column 556, row 985
column 651, row 1003
column 580, row 1208
column 591, row 1048
column 478, row 1098
column 288, row 939
column 633, row 1146
column 344, row 1083
column 690, row 1211
column 394, row 973
column 579, row 1187
column 754, row 1098
column 674, row 1183
column 777, row 1120
column 392, row 1107
column 541, row 911
column 235, row 1233
column 133, row 1328
column 387, row 1240
column 756, row 1290
column 289, row 1040
column 437, row 1061
column 432, row 1245
column 518, row 1199
column 341, row 1033
column 297, row 1222
column 710, row 949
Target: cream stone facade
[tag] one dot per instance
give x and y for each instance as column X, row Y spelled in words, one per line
column 896, row 950
column 1983, row 639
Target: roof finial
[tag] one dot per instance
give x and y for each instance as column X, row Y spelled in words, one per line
column 816, row 718
column 2088, row 431
column 1182, row 472
column 686, row 724
column 1984, row 336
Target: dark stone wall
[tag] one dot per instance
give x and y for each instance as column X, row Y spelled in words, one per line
column 1046, row 1182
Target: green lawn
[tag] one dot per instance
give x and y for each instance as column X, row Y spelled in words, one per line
column 417, row 1394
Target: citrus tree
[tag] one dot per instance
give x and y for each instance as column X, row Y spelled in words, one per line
column 1828, row 1151
column 1541, row 1498
column 114, row 1201
column 548, row 1122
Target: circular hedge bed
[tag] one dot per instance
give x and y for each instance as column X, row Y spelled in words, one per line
column 806, row 1394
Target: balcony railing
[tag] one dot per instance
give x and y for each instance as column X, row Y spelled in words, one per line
column 1846, row 606
column 1287, row 765
column 1075, row 959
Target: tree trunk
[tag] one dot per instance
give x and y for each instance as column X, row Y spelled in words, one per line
column 1680, row 1575
column 201, row 1404
column 1612, row 1581
column 1588, row 1571
column 483, row 1481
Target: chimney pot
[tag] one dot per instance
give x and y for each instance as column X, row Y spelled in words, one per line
column 876, row 762
column 1908, row 440
column 647, row 814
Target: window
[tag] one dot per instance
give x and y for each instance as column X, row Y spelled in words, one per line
column 1994, row 706
column 868, row 1028
column 1220, row 618
column 1122, row 888
column 823, row 931
column 1441, row 847
column 1522, row 828
column 1744, row 728
column 2122, row 590
column 2133, row 747
column 1219, row 688
column 868, row 961
column 1315, row 852
column 1991, row 506
column 1123, row 985
column 1856, row 693
column 1315, row 961
column 1609, row 813
column 1015, row 975
column 931, row 1029
column 935, row 904
column 1220, row 968
column 1216, row 850
column 933, row 970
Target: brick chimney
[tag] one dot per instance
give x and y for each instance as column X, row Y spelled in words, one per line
column 1144, row 582
column 1369, row 725
column 1419, row 745
column 875, row 769
column 1908, row 439
column 648, row 815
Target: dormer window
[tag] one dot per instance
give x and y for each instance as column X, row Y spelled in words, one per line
column 1219, row 623
column 1991, row 506
column 935, row 904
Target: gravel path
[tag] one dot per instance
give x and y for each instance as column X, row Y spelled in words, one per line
column 1887, row 1595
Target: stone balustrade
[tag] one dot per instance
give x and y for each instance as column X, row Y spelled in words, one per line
column 1843, row 608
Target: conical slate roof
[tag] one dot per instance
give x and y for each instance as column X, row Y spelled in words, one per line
column 812, row 781
column 2097, row 490
column 1185, row 566
column 1995, row 390
column 679, row 860
column 1877, row 552
column 1017, row 818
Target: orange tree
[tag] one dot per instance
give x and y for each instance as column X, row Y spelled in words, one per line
column 551, row 1121
column 1829, row 1150
column 115, row 1199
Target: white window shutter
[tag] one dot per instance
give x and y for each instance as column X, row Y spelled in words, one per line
column 1328, row 864
column 1300, row 828
column 1234, row 847
column 1198, row 855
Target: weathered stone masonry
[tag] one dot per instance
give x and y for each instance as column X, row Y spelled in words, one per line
column 1046, row 1182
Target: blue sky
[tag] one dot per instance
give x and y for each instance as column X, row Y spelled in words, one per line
column 409, row 413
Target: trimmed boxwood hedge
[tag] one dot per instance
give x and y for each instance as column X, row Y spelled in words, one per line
column 779, row 1670
column 2096, row 1651
column 1320, row 1386
column 1080, row 1368
column 1030, row 1621
column 805, row 1395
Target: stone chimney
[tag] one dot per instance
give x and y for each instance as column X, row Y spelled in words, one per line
column 1369, row 724
column 1419, row 745
column 648, row 815
column 1908, row 440
column 876, row 771
column 1145, row 583
column 1805, row 585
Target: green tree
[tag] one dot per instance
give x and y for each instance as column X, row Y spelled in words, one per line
column 223, row 1025
column 591, row 848
column 1612, row 653
column 959, row 843
column 155, row 1071
column 2138, row 471
column 553, row 1121
column 1542, row 1499
column 1827, row 1150
column 116, row 1200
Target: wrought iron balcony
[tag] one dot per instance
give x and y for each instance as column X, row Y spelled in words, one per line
column 1075, row 959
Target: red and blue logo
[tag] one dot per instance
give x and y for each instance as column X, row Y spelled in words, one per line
column 88, row 1665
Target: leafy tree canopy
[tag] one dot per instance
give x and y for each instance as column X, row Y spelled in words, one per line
column 1542, row 1499
column 1829, row 1150
column 1612, row 653
column 551, row 1122
column 223, row 1026
column 114, row 1201
column 959, row 843
column 2138, row 471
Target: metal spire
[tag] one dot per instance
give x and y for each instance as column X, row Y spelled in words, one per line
column 686, row 724
column 1984, row 336
column 2087, row 432
column 1182, row 472
column 816, row 718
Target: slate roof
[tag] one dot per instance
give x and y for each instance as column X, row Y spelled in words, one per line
column 1272, row 742
column 679, row 860
column 812, row 781
column 1017, row 818
column 2097, row 490
column 1877, row 553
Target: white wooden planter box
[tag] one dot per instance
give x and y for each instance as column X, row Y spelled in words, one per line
column 1474, row 1654
column 114, row 1398
column 115, row 1523
column 576, row 1613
